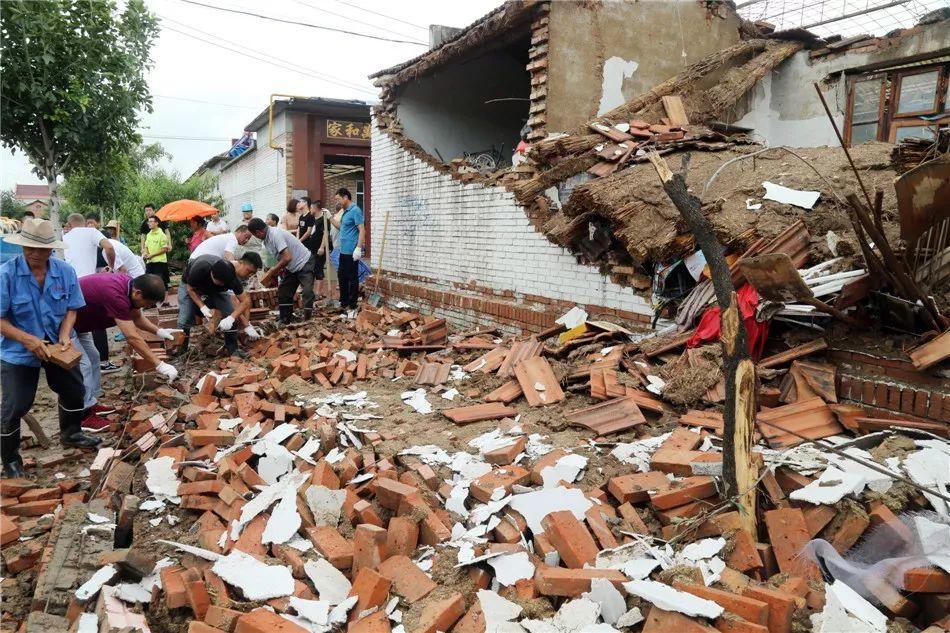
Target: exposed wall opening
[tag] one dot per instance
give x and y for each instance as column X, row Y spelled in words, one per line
column 472, row 107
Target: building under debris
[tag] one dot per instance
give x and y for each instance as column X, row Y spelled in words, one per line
column 479, row 241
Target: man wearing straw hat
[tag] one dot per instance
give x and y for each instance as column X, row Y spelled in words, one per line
column 39, row 297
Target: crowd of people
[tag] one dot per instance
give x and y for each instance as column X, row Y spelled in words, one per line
column 48, row 302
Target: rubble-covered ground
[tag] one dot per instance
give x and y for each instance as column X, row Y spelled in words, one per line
column 388, row 475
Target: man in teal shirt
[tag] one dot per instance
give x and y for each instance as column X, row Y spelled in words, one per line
column 352, row 237
column 39, row 296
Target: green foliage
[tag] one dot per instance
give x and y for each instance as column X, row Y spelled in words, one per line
column 73, row 81
column 121, row 186
column 10, row 207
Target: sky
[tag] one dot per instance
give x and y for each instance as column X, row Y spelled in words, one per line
column 204, row 95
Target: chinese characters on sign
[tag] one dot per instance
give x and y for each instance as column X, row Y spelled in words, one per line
column 347, row 129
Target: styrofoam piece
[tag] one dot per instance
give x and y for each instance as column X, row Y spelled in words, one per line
column 669, row 599
column 256, row 580
column 638, row 453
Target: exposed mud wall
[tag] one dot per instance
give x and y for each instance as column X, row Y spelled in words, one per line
column 784, row 109
column 596, row 44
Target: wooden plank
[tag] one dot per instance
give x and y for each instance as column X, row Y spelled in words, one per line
column 673, row 105
column 932, row 352
column 791, row 354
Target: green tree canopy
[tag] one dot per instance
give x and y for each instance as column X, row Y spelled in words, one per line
column 73, row 82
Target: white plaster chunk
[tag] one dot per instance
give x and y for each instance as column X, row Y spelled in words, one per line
column 229, row 424
column 256, row 580
column 160, row 478
column 706, row 548
column 572, row 318
column 669, row 599
column 565, row 470
column 510, row 568
column 133, row 592
column 325, row 504
column 611, row 601
column 829, row 488
column 88, row 623
column 456, row 501
column 796, row 197
column 711, row 570
column 845, row 611
column 417, row 400
column 630, row 618
column 317, row 611
column 499, row 613
column 640, row 568
column 449, row 394
column 930, row 467
column 284, row 521
column 92, row 586
column 338, row 614
column 330, row 583
column 200, row 552
column 615, row 71
column 534, row 506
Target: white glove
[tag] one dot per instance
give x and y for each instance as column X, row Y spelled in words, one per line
column 252, row 332
column 226, row 323
column 357, row 254
column 165, row 334
column 206, row 312
column 167, row 370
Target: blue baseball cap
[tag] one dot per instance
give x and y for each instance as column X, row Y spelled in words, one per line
column 247, row 206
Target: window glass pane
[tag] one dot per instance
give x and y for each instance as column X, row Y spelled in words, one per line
column 917, row 92
column 863, row 132
column 867, row 99
column 915, row 131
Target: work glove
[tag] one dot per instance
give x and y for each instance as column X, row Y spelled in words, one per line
column 357, row 254
column 206, row 312
column 252, row 332
column 226, row 323
column 167, row 370
column 165, row 334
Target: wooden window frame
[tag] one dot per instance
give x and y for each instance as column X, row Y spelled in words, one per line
column 913, row 122
column 849, row 108
column 910, row 72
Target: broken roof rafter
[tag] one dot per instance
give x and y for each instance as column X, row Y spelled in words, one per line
column 839, row 17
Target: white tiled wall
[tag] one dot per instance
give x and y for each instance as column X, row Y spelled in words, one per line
column 259, row 177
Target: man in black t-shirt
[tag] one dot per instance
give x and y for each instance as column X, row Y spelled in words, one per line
column 143, row 229
column 208, row 283
column 310, row 232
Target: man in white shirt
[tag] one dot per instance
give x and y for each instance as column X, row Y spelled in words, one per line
column 296, row 263
column 216, row 225
column 82, row 243
column 224, row 245
column 126, row 261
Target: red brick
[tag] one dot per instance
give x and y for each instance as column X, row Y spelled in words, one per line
column 198, row 598
column 176, row 594
column 407, row 579
column 33, row 508
column 788, row 534
column 559, row 581
column 264, row 621
column 927, row 580
column 747, row 608
column 369, row 547
column 377, row 622
column 390, row 493
column 483, row 487
column 781, row 606
column 402, row 536
column 660, row 621
column 201, row 627
column 222, row 618
column 9, row 532
column 371, row 589
column 675, row 462
column 846, row 529
column 441, row 615
column 744, row 555
column 473, row 621
column 684, row 491
column 331, row 544
column 634, row 488
column 570, row 538
column 40, row 494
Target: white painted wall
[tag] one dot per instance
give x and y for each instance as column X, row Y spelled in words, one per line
column 442, row 229
column 784, row 109
column 258, row 177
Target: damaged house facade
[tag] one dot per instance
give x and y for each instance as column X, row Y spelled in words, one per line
column 476, row 241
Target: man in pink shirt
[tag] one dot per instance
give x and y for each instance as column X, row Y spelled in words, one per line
column 115, row 299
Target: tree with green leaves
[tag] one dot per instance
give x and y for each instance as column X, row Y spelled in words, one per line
column 10, row 207
column 72, row 82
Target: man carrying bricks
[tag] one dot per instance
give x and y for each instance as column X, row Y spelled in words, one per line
column 211, row 281
column 39, row 296
column 295, row 264
column 116, row 299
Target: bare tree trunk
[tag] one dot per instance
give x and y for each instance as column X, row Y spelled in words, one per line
column 738, row 469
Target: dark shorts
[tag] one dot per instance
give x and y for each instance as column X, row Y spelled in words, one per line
column 319, row 265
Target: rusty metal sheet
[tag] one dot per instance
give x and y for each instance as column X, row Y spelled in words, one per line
column 923, row 198
column 519, row 351
column 538, row 382
column 608, row 417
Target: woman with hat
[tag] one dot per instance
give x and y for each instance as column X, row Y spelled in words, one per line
column 39, row 296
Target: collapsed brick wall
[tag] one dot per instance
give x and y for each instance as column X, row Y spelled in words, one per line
column 476, row 241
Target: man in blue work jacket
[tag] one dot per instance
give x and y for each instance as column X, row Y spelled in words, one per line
column 39, row 296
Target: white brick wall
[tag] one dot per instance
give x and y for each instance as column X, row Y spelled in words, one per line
column 259, row 178
column 443, row 229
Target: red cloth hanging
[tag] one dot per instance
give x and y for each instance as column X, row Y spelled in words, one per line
column 710, row 324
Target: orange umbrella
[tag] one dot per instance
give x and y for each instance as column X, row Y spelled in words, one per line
column 183, row 210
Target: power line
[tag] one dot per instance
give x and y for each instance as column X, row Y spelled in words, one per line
column 223, row 105
column 352, row 19
column 312, row 26
column 382, row 15
column 216, row 139
column 264, row 57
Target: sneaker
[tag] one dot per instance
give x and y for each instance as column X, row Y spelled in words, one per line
column 101, row 409
column 119, row 337
column 108, row 367
column 80, row 440
column 95, row 423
